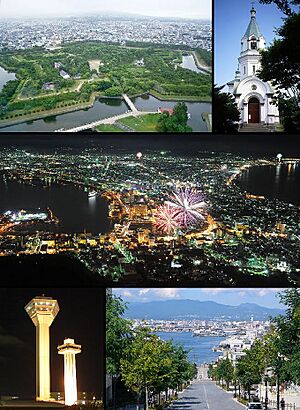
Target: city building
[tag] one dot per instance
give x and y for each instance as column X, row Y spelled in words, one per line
column 253, row 96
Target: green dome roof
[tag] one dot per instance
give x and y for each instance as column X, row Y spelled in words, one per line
column 253, row 29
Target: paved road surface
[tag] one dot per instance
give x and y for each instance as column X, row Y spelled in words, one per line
column 205, row 395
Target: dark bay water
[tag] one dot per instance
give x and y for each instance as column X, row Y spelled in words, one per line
column 281, row 181
column 108, row 107
column 5, row 76
column 70, row 204
column 201, row 347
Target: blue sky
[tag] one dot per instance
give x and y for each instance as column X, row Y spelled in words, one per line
column 231, row 21
column 261, row 296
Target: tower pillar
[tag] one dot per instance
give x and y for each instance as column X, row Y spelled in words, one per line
column 42, row 311
column 69, row 349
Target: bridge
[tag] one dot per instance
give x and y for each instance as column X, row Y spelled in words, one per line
column 133, row 111
column 110, row 120
column 130, row 104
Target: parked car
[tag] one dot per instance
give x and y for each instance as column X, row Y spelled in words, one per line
column 254, row 406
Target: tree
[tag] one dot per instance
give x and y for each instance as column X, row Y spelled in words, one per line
column 151, row 365
column 177, row 122
column 251, row 366
column 280, row 65
column 226, row 114
column 286, row 6
column 146, row 363
column 118, row 333
column 184, row 370
column 118, row 337
column 181, row 113
column 210, row 372
column 226, row 371
column 288, row 340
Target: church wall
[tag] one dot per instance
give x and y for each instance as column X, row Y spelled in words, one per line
column 246, row 84
column 248, row 62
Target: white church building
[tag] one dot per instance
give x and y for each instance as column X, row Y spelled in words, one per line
column 252, row 95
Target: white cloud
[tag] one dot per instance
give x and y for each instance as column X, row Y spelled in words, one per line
column 265, row 291
column 144, row 291
column 242, row 292
column 127, row 293
column 169, row 293
column 216, row 291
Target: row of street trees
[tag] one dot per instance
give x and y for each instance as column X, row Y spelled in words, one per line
column 275, row 359
column 142, row 361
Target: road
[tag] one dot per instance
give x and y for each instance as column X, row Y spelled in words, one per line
column 205, row 395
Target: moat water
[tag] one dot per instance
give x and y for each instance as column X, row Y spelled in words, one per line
column 5, row 76
column 70, row 204
column 280, row 181
column 188, row 62
column 108, row 107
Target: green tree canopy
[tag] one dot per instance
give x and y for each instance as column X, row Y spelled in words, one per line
column 288, row 341
column 177, row 122
column 150, row 364
column 118, row 333
column 226, row 371
column 280, row 64
column 286, row 6
column 146, row 363
column 225, row 114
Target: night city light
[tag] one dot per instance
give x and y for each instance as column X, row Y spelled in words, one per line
column 201, row 211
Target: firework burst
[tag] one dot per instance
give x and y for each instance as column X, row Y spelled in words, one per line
column 189, row 206
column 166, row 219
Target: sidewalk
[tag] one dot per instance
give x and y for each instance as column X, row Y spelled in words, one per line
column 291, row 398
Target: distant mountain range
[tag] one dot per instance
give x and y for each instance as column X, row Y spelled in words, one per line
column 193, row 309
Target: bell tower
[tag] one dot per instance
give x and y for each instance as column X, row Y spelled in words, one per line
column 252, row 42
column 253, row 96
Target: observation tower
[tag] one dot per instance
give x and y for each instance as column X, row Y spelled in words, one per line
column 69, row 349
column 42, row 311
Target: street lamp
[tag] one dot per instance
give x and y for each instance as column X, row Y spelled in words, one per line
column 268, row 374
column 280, row 360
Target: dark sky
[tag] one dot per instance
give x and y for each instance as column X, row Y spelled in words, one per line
column 81, row 317
column 185, row 144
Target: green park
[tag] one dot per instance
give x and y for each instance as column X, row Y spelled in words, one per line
column 72, row 76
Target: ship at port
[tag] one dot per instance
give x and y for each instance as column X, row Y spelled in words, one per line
column 92, row 194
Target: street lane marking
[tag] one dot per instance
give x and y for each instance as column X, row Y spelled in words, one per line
column 206, row 398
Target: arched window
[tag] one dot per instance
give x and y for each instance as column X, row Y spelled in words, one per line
column 253, row 45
